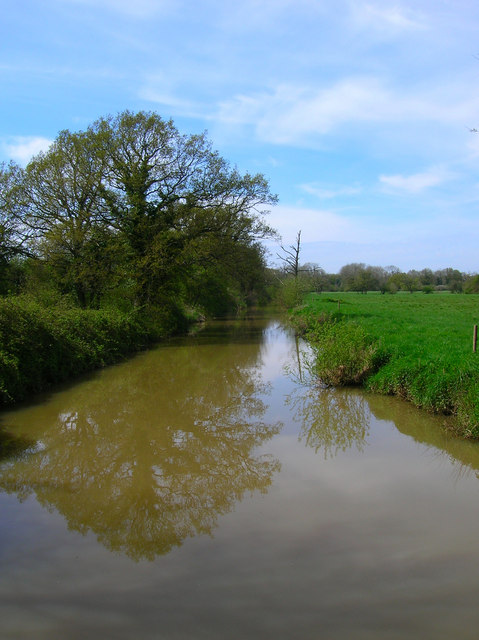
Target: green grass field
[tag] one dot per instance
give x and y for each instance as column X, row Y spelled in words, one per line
column 418, row 346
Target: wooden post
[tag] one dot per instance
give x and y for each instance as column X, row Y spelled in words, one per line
column 474, row 339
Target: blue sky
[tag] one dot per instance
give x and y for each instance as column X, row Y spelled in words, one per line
column 358, row 112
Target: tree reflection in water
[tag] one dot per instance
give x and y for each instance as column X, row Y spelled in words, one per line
column 331, row 420
column 11, row 445
column 151, row 452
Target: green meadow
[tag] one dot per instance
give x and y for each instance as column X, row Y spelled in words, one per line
column 417, row 346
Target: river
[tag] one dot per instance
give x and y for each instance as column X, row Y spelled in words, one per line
column 207, row 489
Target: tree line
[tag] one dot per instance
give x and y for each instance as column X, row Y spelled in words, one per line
column 131, row 212
column 361, row 277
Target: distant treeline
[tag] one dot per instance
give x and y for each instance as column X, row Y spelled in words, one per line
column 361, row 277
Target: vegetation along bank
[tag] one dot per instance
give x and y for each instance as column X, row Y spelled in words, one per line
column 113, row 238
column 418, row 347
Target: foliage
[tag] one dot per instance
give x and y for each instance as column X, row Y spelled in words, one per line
column 472, row 285
column 360, row 277
column 423, row 347
column 292, row 292
column 13, row 237
column 165, row 191
column 64, row 210
column 110, row 236
column 42, row 345
column 131, row 205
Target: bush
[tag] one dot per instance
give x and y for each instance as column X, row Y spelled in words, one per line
column 40, row 345
column 292, row 292
column 472, row 285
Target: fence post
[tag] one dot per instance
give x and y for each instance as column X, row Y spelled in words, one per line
column 474, row 339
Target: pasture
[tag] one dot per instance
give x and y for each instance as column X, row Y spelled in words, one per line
column 418, row 346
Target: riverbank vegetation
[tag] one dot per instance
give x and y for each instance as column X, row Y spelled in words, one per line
column 42, row 345
column 114, row 237
column 418, row 347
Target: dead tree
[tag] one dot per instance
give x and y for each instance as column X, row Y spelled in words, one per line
column 291, row 257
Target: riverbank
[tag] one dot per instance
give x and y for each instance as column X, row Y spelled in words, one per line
column 418, row 347
column 42, row 345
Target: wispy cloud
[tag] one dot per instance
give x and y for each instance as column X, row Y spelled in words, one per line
column 326, row 193
column 473, row 144
column 300, row 114
column 345, row 106
column 163, row 90
column 389, row 16
column 315, row 224
column 181, row 107
column 58, row 71
column 416, row 182
column 131, row 8
column 23, row 148
column 332, row 239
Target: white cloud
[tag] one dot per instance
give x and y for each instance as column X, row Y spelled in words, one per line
column 393, row 17
column 416, row 182
column 293, row 112
column 165, row 90
column 315, row 224
column 165, row 97
column 317, row 190
column 333, row 240
column 22, row 148
column 299, row 114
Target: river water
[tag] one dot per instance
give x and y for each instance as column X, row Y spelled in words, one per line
column 206, row 489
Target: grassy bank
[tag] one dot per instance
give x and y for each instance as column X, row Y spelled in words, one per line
column 415, row 346
column 42, row 345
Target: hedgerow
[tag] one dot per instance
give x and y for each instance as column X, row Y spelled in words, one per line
column 43, row 345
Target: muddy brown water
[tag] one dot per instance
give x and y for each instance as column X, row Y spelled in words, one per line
column 206, row 489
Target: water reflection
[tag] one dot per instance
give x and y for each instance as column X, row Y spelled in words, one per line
column 151, row 452
column 335, row 420
column 331, row 420
column 11, row 445
column 433, row 432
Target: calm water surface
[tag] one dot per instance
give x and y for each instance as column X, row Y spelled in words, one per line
column 206, row 490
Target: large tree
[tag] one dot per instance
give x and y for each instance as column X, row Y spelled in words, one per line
column 14, row 235
column 165, row 190
column 68, row 217
column 132, row 199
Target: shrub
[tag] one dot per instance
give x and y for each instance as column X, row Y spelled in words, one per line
column 42, row 345
column 292, row 292
column 472, row 285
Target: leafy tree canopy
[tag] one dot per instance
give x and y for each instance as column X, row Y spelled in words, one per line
column 130, row 202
